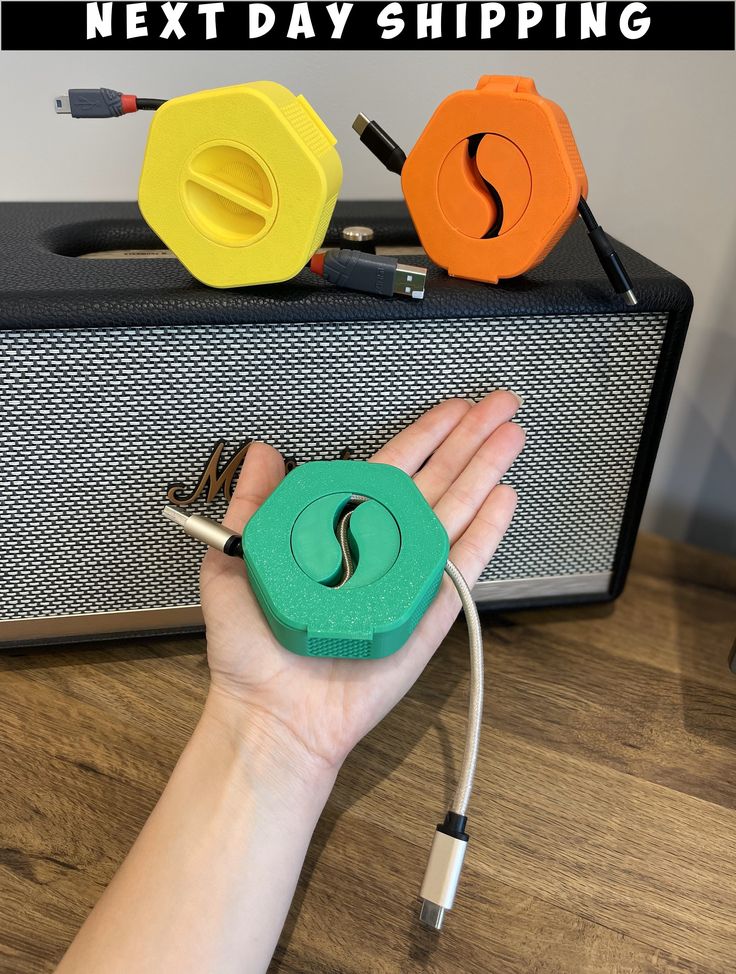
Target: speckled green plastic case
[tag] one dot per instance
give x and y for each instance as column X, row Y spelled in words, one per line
column 400, row 546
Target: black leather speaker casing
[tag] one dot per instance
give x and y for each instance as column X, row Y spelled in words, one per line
column 46, row 284
column 42, row 281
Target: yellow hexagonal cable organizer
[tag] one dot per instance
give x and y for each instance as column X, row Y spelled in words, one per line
column 240, row 182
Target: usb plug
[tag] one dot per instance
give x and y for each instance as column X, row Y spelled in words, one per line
column 410, row 280
column 380, row 143
column 210, row 532
column 102, row 103
column 370, row 273
column 610, row 260
column 442, row 875
column 95, row 103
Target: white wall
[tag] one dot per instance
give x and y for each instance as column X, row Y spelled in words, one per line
column 656, row 132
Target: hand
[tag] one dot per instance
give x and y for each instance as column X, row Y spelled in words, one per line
column 456, row 453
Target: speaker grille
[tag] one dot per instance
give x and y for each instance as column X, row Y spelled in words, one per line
column 97, row 423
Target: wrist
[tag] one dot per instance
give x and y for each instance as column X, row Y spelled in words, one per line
column 266, row 751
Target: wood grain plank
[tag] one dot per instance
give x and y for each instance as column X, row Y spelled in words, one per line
column 358, row 913
column 652, row 864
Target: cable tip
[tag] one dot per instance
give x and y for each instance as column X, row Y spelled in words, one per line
column 62, row 106
column 410, row 281
column 630, row 298
column 361, row 123
column 179, row 517
column 431, row 915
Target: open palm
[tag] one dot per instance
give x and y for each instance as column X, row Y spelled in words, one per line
column 457, row 454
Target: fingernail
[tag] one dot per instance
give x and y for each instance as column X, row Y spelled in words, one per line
column 514, row 393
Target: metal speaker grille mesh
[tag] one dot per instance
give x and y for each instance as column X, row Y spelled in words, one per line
column 97, row 424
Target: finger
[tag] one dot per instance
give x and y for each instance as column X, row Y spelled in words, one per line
column 464, row 498
column 475, row 548
column 263, row 470
column 409, row 449
column 462, row 444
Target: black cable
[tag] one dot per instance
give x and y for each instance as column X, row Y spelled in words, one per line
column 149, row 104
column 388, row 152
column 587, row 214
column 610, row 261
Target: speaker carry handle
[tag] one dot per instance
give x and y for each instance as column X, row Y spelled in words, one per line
column 102, row 236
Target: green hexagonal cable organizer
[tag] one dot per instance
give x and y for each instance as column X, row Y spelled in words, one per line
column 295, row 560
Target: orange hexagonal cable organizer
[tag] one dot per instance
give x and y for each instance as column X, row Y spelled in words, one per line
column 494, row 181
column 500, row 142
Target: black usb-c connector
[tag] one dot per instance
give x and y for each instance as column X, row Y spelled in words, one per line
column 389, row 153
column 610, row 260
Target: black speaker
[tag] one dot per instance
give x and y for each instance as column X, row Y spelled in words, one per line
column 126, row 385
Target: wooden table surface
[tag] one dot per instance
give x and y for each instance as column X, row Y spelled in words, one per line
column 603, row 823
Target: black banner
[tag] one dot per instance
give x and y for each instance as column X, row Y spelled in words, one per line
column 365, row 25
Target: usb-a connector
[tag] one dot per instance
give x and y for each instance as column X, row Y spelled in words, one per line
column 370, row 273
column 410, row 280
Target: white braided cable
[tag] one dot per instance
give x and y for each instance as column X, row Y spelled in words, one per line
column 475, row 703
